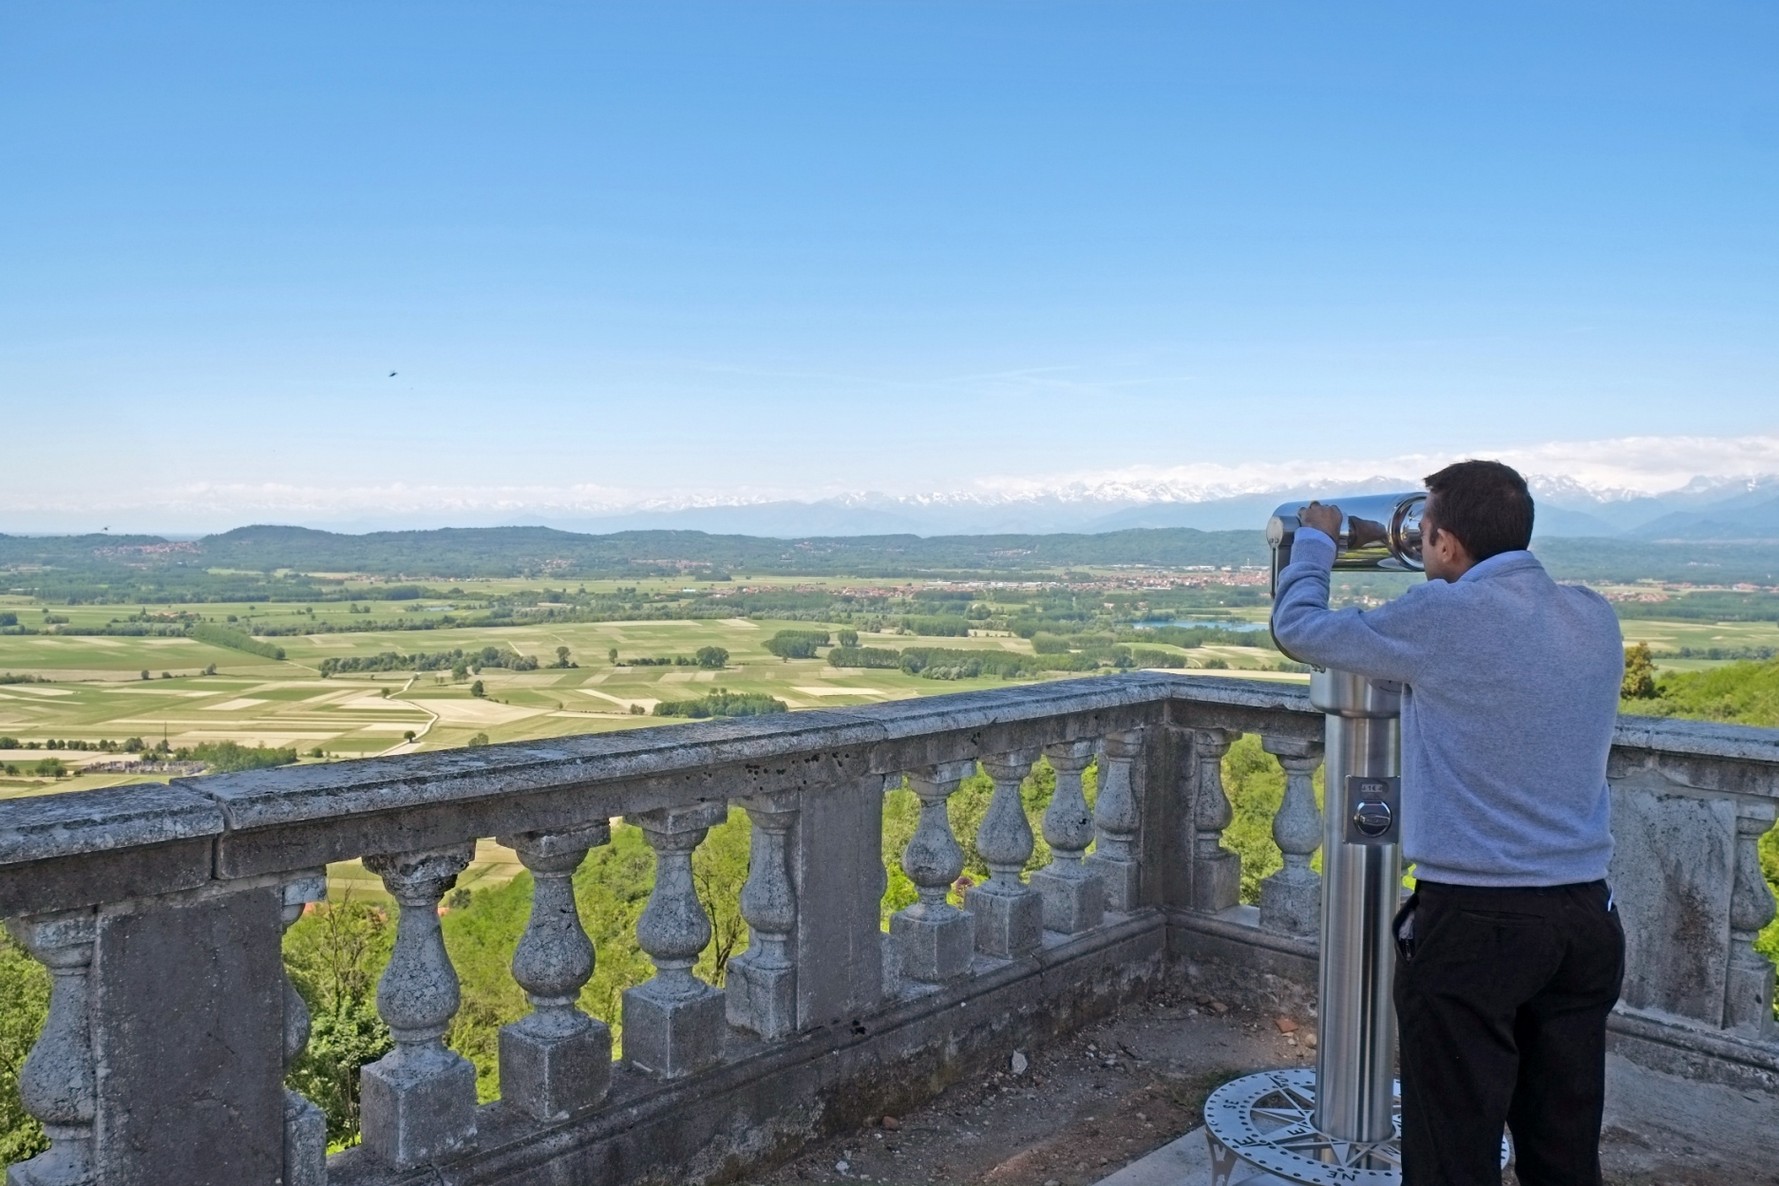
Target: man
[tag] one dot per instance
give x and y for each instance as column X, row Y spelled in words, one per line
column 1509, row 953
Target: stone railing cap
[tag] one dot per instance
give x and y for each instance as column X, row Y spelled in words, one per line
column 146, row 814
column 82, row 822
column 267, row 798
column 1700, row 739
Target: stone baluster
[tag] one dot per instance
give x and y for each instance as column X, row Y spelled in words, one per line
column 1115, row 822
column 1216, row 871
column 1748, row 997
column 1074, row 896
column 57, row 1082
column 762, row 984
column 674, row 1022
column 305, row 1125
column 418, row 1102
column 1009, row 913
column 1291, row 899
column 933, row 938
column 555, row 1061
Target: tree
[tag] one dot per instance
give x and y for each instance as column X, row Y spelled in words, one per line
column 849, row 638
column 613, row 656
column 477, row 689
column 334, row 954
column 24, row 1002
column 711, row 657
column 563, row 655
column 1639, row 681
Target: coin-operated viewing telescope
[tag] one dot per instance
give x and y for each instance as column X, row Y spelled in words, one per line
column 1381, row 532
column 1341, row 1123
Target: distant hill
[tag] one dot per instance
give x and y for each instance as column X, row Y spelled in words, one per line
column 1757, row 522
column 542, row 551
column 151, row 562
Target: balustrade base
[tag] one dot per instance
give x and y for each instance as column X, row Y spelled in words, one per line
column 1009, row 924
column 553, row 1076
column 414, row 1114
column 1074, row 898
column 935, row 946
column 47, row 1169
column 1291, row 904
column 761, row 1000
column 1216, row 881
column 671, row 1036
column 1122, row 879
column 305, row 1142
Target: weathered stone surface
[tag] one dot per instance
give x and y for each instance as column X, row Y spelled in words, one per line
column 57, row 1084
column 837, row 864
column 188, row 1017
column 934, row 939
column 1216, row 871
column 761, row 999
column 1116, row 818
column 86, row 822
column 674, row 1023
column 1291, row 899
column 420, row 1107
column 762, row 983
column 305, row 1142
column 1672, row 872
column 1748, row 991
column 418, row 1101
column 1074, row 899
column 61, row 852
column 305, row 1125
column 1009, row 913
column 672, row 1034
column 1291, row 902
column 774, row 1096
column 556, row 1061
column 1008, row 925
column 552, row 1075
column 933, row 949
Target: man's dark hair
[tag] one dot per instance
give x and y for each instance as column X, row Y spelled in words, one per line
column 1485, row 504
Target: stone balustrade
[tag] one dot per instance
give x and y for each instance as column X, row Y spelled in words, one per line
column 159, row 910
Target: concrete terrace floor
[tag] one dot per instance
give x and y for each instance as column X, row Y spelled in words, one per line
column 1083, row 1109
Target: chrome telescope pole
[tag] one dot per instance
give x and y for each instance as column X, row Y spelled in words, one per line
column 1340, row 1124
column 1361, row 884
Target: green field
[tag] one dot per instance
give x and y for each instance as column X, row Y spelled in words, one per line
column 97, row 691
column 1664, row 635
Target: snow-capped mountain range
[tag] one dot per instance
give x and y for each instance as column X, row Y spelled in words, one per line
column 1704, row 508
column 1695, row 488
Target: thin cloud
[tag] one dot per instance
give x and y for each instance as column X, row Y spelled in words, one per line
column 1618, row 467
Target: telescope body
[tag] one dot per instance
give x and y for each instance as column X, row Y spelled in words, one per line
column 1379, row 532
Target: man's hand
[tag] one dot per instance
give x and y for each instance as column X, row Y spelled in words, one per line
column 1323, row 519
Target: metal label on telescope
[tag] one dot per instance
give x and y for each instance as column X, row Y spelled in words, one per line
column 1373, row 809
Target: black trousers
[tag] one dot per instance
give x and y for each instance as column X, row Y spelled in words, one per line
column 1501, row 1004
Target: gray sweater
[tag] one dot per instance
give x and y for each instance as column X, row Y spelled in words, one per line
column 1507, row 716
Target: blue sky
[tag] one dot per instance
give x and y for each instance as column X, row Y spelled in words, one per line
column 644, row 250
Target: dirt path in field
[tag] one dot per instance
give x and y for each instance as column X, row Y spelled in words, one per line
column 432, row 718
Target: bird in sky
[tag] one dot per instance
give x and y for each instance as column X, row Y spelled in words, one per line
column 392, row 374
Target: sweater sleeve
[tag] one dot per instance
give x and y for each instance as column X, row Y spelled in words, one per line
column 1383, row 643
